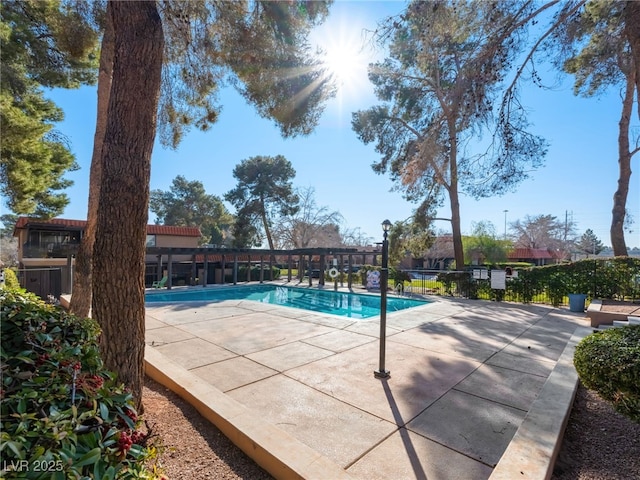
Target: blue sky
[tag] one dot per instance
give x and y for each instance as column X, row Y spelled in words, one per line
column 577, row 180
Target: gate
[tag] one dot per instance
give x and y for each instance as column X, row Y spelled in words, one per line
column 44, row 282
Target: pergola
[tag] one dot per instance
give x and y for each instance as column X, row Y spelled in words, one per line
column 233, row 257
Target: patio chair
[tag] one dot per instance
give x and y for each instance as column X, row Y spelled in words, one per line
column 159, row 283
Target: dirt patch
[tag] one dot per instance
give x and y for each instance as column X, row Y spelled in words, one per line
column 599, row 443
column 193, row 448
column 620, row 307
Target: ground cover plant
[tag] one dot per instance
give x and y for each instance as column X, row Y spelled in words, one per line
column 63, row 415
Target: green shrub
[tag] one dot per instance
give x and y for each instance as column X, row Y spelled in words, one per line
column 458, row 283
column 524, row 287
column 609, row 363
column 63, row 415
column 617, row 278
column 268, row 274
column 11, row 279
column 398, row 276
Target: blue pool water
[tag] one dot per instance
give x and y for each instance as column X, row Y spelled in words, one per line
column 326, row 301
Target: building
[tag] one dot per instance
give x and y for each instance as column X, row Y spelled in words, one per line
column 47, row 248
column 534, row 256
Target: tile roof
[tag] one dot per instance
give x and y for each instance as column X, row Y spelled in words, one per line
column 23, row 222
column 530, row 253
column 171, row 230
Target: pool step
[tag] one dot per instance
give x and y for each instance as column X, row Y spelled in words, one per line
column 631, row 320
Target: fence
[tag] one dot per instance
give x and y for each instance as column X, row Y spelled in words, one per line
column 616, row 278
column 44, row 282
column 438, row 282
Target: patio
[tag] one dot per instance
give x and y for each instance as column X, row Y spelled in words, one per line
column 295, row 389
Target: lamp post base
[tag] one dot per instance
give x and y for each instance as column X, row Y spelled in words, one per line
column 381, row 373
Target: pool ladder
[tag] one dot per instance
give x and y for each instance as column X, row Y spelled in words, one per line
column 403, row 291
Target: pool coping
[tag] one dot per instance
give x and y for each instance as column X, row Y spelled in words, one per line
column 420, row 300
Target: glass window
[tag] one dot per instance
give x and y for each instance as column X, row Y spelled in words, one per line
column 151, row 240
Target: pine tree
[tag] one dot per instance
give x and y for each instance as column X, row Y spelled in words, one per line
column 589, row 243
column 44, row 44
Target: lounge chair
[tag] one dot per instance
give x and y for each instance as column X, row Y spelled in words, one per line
column 159, row 283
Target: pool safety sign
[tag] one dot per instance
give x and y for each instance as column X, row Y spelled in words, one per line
column 373, row 279
column 498, row 279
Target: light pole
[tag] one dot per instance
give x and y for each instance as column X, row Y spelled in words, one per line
column 384, row 280
column 505, row 224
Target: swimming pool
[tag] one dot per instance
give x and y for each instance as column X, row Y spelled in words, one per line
column 345, row 304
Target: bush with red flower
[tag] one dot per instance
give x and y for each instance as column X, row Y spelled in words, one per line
column 63, row 415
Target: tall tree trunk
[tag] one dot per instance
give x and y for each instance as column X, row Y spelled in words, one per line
column 458, row 251
column 81, row 298
column 454, row 197
column 624, row 171
column 632, row 31
column 265, row 225
column 267, row 231
column 119, row 252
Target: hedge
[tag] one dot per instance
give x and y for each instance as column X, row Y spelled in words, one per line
column 609, row 363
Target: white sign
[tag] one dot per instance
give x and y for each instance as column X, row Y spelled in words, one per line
column 480, row 273
column 498, row 279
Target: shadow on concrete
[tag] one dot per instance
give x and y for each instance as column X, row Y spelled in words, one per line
column 419, row 472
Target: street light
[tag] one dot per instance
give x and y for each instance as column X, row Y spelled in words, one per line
column 384, row 280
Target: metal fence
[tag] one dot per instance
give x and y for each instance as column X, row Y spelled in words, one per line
column 437, row 282
column 617, row 279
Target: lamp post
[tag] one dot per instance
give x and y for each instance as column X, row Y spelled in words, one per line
column 505, row 224
column 384, row 280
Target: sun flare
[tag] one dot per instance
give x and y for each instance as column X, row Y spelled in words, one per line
column 346, row 62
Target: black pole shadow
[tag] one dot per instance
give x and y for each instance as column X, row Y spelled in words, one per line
column 419, row 472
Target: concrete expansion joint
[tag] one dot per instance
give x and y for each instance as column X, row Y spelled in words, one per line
column 273, row 449
column 532, row 452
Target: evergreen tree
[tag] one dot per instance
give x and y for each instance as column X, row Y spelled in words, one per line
column 438, row 87
column 260, row 48
column 589, row 243
column 187, row 204
column 264, row 191
column 600, row 46
column 263, row 44
column 43, row 44
column 120, row 245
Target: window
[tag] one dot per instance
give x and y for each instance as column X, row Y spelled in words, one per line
column 151, row 240
column 50, row 243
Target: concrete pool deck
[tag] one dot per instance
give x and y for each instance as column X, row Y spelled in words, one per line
column 477, row 389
